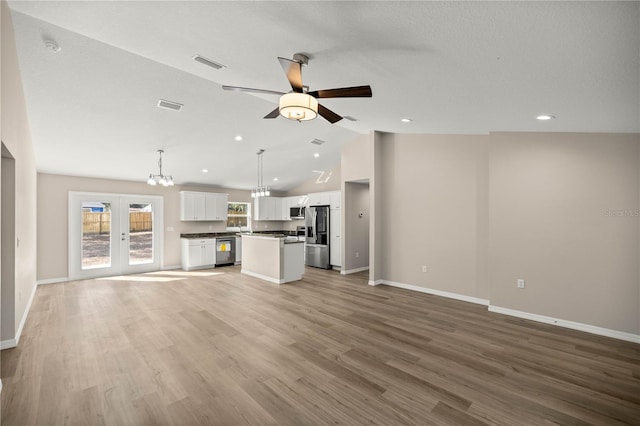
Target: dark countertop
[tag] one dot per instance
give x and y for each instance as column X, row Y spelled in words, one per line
column 232, row 234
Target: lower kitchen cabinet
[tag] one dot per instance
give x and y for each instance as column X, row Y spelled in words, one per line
column 198, row 253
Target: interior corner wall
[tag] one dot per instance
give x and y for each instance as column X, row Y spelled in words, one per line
column 16, row 136
column 565, row 218
column 433, row 201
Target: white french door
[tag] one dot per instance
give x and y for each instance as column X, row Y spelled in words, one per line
column 114, row 234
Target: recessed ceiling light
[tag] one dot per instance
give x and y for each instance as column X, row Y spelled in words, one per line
column 238, row 138
column 275, row 179
column 205, row 171
column 406, row 120
column 544, row 117
column 316, row 155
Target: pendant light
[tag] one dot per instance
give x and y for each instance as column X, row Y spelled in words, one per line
column 160, row 178
column 260, row 190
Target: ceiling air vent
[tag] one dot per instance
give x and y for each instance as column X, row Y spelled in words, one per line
column 207, row 62
column 348, row 117
column 317, row 142
column 169, row 105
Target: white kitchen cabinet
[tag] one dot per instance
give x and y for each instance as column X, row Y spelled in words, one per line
column 203, row 206
column 198, row 253
column 335, row 237
column 191, row 206
column 267, row 208
column 287, row 203
column 216, row 206
column 330, row 198
column 335, row 199
column 319, row 199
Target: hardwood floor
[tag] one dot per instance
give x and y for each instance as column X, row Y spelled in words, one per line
column 216, row 347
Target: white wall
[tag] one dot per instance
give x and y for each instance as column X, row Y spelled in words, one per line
column 16, row 137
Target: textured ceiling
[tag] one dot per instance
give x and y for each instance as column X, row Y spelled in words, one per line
column 452, row 67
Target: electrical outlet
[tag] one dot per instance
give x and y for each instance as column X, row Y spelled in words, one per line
column 169, row 228
column 424, row 268
column 210, row 227
column 357, row 254
column 520, row 283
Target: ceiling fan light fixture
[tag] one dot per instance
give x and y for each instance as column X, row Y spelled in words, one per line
column 298, row 106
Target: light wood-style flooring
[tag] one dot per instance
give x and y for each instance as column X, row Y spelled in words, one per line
column 226, row 349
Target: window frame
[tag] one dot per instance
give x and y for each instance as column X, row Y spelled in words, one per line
column 231, row 215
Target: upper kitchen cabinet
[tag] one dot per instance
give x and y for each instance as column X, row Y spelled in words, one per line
column 319, row 199
column 216, row 206
column 331, row 198
column 267, row 208
column 207, row 206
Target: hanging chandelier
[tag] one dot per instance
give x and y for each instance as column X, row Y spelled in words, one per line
column 160, row 178
column 260, row 190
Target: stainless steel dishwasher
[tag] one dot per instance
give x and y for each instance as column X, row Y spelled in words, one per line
column 225, row 251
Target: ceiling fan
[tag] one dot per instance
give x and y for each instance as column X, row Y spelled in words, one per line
column 300, row 104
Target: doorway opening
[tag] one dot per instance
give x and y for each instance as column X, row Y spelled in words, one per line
column 7, row 246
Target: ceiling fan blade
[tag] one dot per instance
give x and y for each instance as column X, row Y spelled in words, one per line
column 248, row 89
column 344, row 92
column 273, row 114
column 293, row 70
column 328, row 115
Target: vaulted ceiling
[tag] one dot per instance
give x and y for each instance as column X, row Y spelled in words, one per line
column 451, row 67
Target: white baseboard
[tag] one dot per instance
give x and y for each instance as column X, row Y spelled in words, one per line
column 26, row 313
column 12, row 343
column 376, row 282
column 52, row 281
column 635, row 338
column 0, row 385
column 262, row 277
column 446, row 294
column 353, row 271
column 8, row 344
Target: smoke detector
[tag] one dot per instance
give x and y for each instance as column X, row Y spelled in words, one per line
column 52, row 46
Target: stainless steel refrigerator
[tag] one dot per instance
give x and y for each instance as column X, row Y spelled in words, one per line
column 317, row 241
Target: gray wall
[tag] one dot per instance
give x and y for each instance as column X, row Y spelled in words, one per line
column 564, row 217
column 560, row 210
column 435, row 208
column 355, row 227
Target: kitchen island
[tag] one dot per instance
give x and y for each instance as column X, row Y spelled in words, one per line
column 273, row 258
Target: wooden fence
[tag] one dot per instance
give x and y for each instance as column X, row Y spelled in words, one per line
column 100, row 223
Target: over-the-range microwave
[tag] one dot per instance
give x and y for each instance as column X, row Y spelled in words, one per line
column 296, row 212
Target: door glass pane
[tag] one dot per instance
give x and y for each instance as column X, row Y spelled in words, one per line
column 96, row 234
column 140, row 233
